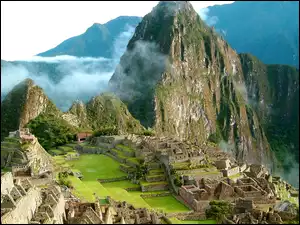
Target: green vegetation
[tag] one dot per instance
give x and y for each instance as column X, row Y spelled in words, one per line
column 10, row 108
column 106, row 131
column 124, row 148
column 218, row 209
column 285, row 194
column 167, row 204
column 12, row 140
column 52, row 131
column 176, row 221
column 95, row 167
column 148, row 132
column 63, row 179
column 108, row 115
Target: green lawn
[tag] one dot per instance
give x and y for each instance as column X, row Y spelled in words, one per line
column 176, row 221
column 125, row 148
column 120, row 184
column 167, row 203
column 95, row 167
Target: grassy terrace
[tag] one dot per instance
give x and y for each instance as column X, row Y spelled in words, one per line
column 145, row 183
column 156, row 172
column 61, row 150
column 124, row 148
column 167, row 204
column 94, row 166
column 9, row 139
column 176, row 221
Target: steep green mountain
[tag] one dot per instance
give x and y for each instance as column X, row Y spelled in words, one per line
column 273, row 91
column 23, row 103
column 180, row 77
column 268, row 30
column 103, row 111
column 27, row 105
column 97, row 41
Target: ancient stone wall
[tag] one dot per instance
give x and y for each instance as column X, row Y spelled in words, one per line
column 154, row 187
column 59, row 210
column 133, row 189
column 126, row 169
column 243, row 168
column 6, row 183
column 216, row 176
column 223, row 164
column 231, row 172
column 39, row 160
column 187, row 195
column 112, row 179
column 91, row 150
column 24, row 208
column 155, row 178
column 200, row 206
column 155, row 195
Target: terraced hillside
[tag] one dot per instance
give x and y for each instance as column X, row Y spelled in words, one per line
column 108, row 175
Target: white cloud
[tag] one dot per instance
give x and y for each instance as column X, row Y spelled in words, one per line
column 82, row 79
column 61, row 58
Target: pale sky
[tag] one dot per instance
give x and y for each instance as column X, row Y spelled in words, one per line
column 29, row 28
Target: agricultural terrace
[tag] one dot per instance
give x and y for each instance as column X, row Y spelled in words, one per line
column 99, row 166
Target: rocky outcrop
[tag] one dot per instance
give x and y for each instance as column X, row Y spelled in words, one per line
column 180, row 77
column 23, row 103
column 103, row 111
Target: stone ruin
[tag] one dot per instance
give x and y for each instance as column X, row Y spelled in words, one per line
column 244, row 212
column 249, row 188
column 27, row 157
column 131, row 215
column 170, row 149
column 108, row 211
column 21, row 202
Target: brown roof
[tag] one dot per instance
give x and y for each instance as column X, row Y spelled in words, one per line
column 83, row 135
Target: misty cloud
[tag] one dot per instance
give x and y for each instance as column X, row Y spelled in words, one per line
column 141, row 65
column 79, row 78
column 63, row 58
column 225, row 147
column 292, row 173
column 209, row 20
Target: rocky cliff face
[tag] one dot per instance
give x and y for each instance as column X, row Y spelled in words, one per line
column 180, row 77
column 103, row 111
column 273, row 91
column 24, row 102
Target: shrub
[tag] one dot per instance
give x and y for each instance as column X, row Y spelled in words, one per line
column 177, row 180
column 63, row 179
column 106, row 131
column 218, row 209
column 52, row 131
column 148, row 132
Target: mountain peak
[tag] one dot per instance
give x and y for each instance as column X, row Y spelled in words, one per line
column 171, row 8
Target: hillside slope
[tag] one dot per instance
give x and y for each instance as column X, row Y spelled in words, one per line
column 180, row 77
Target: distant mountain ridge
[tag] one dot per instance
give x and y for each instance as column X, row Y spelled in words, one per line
column 97, row 41
column 268, row 30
